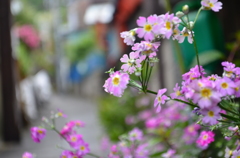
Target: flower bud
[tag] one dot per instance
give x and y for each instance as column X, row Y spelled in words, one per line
column 190, row 25
column 138, row 73
column 185, row 9
column 179, row 14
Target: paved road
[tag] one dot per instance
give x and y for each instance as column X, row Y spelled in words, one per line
column 77, row 109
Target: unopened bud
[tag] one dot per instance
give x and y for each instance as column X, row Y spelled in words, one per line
column 137, row 73
column 179, row 14
column 190, row 25
column 185, row 9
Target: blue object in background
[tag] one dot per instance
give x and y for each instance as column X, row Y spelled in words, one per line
column 82, row 69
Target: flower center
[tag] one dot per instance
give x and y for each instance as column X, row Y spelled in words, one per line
column 210, row 5
column 224, row 85
column 159, row 99
column 175, row 32
column 73, row 139
column 185, row 34
column 116, row 81
column 205, row 137
column 147, row 27
column 147, row 52
column 82, row 148
column 210, row 113
column 237, row 89
column 206, row 92
column 168, row 25
column 64, row 156
column 40, row 131
column 178, row 93
column 238, row 156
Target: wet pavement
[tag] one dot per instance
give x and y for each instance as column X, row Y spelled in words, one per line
column 76, row 108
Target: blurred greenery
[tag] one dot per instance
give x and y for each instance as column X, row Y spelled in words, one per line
column 24, row 58
column 113, row 112
column 78, row 48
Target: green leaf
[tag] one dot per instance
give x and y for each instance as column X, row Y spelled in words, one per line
column 207, row 57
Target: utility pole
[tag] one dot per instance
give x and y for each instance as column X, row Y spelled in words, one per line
column 10, row 110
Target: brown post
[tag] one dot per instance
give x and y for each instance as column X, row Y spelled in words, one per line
column 10, row 124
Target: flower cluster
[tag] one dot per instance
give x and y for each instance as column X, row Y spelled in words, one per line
column 130, row 146
column 28, row 35
column 79, row 147
column 205, row 94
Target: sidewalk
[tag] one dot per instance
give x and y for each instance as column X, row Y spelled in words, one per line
column 76, row 109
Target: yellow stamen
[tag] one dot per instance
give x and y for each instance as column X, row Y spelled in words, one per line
column 237, row 89
column 210, row 113
column 40, row 131
column 148, row 28
column 185, row 34
column 74, row 139
column 224, row 85
column 210, row 5
column 82, row 148
column 205, row 137
column 159, row 99
column 178, row 93
column 116, row 81
column 168, row 25
column 205, row 92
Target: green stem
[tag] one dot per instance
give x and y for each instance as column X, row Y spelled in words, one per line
column 196, row 51
column 179, row 100
column 149, row 75
column 200, row 9
column 146, row 76
column 222, row 107
column 230, row 117
column 149, row 91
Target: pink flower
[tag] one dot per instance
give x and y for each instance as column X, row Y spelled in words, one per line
column 204, row 93
column 79, row 123
column 212, row 4
column 185, row 33
column 29, row 36
column 37, row 134
column 225, row 86
column 27, row 155
column 167, row 23
column 117, row 83
column 131, row 63
column 67, row 129
column 148, row 27
column 60, row 113
column 193, row 74
column 152, row 123
column 135, row 134
column 141, row 151
column 129, row 37
column 211, row 115
column 146, row 48
column 66, row 154
column 236, row 154
column 114, row 152
column 205, row 138
column 82, row 149
column 74, row 139
column 160, row 99
column 177, row 92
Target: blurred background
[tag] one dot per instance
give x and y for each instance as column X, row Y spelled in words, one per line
column 54, row 54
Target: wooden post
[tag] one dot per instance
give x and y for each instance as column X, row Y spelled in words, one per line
column 10, row 124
